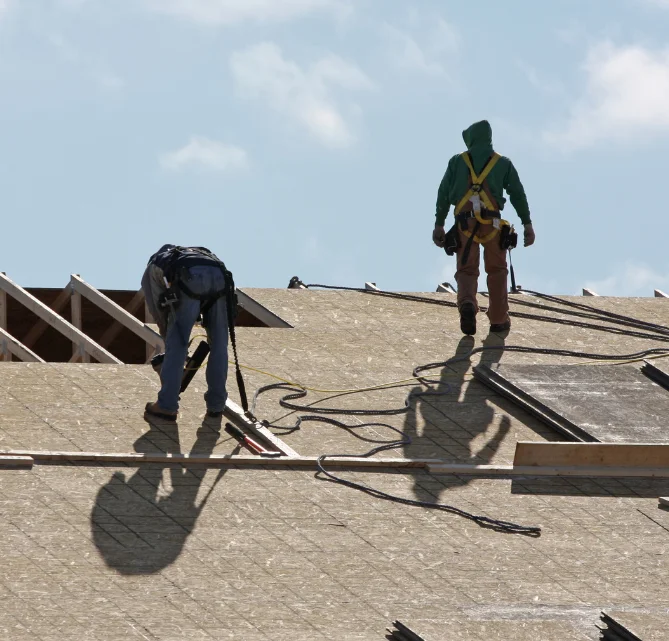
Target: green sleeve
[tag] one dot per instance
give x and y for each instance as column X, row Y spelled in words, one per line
column 443, row 200
column 517, row 195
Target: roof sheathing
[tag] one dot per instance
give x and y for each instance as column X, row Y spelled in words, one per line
column 280, row 555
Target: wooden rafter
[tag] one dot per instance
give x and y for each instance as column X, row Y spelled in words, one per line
column 56, row 321
column 10, row 345
column 115, row 328
column 41, row 325
column 81, row 287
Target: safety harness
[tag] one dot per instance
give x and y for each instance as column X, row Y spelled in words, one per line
column 478, row 203
column 178, row 263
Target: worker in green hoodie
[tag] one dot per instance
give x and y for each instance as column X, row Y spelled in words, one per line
column 474, row 184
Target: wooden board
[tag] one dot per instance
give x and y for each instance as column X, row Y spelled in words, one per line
column 57, row 322
column 511, row 471
column 117, row 312
column 595, row 403
column 11, row 460
column 135, row 458
column 264, row 315
column 236, row 414
column 13, row 346
column 643, row 455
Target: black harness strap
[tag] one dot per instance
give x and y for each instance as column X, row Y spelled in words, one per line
column 206, row 303
column 468, row 246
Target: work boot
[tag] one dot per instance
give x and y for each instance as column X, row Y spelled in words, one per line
column 153, row 409
column 500, row 328
column 468, row 319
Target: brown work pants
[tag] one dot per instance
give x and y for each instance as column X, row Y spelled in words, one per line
column 494, row 259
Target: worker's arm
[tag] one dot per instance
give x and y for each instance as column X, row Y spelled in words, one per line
column 443, row 205
column 516, row 192
column 153, row 285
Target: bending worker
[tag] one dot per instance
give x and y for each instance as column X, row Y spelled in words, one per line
column 179, row 284
column 474, row 184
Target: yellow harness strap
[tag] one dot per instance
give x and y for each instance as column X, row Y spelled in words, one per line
column 478, row 188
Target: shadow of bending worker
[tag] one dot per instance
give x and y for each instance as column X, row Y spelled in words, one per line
column 458, row 425
column 139, row 525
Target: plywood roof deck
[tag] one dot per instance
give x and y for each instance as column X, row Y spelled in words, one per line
column 150, row 553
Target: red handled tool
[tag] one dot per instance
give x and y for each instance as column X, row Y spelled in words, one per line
column 246, row 440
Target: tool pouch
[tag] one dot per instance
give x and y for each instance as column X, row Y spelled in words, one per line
column 508, row 238
column 452, row 240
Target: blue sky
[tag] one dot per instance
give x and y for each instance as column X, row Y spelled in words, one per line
column 309, row 137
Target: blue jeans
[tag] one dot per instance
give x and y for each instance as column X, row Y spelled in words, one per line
column 202, row 280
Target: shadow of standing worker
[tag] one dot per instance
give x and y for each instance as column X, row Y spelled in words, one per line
column 139, row 526
column 452, row 420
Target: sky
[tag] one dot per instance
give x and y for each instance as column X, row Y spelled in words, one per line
column 309, row 137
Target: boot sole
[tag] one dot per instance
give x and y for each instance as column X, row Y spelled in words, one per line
column 468, row 322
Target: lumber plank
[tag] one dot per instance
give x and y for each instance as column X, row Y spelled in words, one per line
column 135, row 458
column 116, row 311
column 236, row 414
column 56, row 321
column 539, row 470
column 660, row 294
column 12, row 460
column 589, row 292
column 592, row 454
column 12, row 346
column 78, row 352
column 41, row 326
column 261, row 312
column 5, row 354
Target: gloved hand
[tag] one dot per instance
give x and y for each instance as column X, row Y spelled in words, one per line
column 529, row 235
column 439, row 235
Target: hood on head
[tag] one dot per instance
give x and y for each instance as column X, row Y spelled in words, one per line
column 478, row 135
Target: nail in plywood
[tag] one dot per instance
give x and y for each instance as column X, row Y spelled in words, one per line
column 117, row 312
column 56, row 321
column 9, row 345
column 644, row 455
column 237, row 415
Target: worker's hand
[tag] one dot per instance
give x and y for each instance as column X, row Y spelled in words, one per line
column 529, row 235
column 439, row 235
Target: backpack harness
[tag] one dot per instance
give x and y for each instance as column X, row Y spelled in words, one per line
column 479, row 203
column 175, row 268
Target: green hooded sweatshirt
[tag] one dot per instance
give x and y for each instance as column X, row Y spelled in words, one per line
column 455, row 183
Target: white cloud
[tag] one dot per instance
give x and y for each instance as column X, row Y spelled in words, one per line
column 305, row 95
column 422, row 48
column 206, row 154
column 227, row 12
column 630, row 279
column 626, row 98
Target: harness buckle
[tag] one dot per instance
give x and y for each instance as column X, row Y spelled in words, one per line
column 476, row 188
